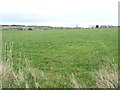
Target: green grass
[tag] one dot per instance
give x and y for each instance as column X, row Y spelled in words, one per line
column 60, row 54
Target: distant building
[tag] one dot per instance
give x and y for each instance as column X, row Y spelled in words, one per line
column 103, row 26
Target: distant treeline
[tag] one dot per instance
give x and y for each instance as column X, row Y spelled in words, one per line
column 32, row 27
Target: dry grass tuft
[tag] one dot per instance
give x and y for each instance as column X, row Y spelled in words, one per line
column 74, row 82
column 106, row 79
column 12, row 79
column 107, row 76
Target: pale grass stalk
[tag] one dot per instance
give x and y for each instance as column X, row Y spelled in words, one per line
column 1, row 75
column 26, row 85
column 74, row 82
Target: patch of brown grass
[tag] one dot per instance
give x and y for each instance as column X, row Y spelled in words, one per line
column 107, row 76
column 106, row 79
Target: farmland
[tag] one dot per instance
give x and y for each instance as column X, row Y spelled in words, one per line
column 58, row 58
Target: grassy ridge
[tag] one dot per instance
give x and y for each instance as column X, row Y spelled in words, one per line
column 66, row 57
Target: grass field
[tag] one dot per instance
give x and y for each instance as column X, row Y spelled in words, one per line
column 60, row 58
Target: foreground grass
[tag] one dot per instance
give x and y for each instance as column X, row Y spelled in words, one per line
column 64, row 58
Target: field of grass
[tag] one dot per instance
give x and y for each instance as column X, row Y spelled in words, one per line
column 60, row 58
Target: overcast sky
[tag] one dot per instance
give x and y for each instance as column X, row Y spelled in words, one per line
column 59, row 12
